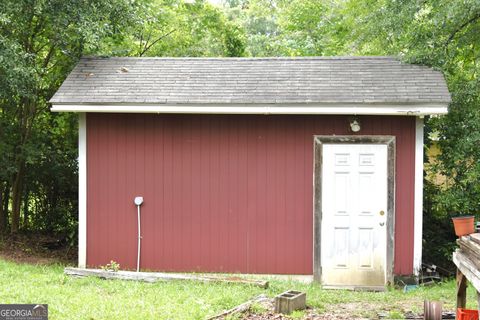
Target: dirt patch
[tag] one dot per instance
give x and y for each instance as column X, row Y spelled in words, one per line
column 265, row 316
column 343, row 311
column 264, row 310
column 309, row 315
column 353, row 310
column 36, row 248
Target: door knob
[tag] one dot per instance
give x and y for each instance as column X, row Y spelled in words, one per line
column 382, row 213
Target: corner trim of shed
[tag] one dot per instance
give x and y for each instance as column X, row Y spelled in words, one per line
column 82, row 190
column 418, row 197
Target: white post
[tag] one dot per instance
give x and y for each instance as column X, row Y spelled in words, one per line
column 418, row 200
column 82, row 190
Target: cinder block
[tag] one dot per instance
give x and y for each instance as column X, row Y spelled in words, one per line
column 289, row 301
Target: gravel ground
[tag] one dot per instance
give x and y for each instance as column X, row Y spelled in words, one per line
column 342, row 312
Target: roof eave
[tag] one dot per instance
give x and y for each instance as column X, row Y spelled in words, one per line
column 412, row 109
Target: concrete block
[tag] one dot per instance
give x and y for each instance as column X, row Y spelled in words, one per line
column 289, row 301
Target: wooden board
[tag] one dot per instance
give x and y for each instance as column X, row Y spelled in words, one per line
column 475, row 247
column 470, row 249
column 461, row 289
column 467, row 268
column 475, row 237
column 158, row 276
column 240, row 308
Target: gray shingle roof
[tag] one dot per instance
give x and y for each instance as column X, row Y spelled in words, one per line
column 380, row 80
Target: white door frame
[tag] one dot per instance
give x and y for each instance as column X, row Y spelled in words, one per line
column 319, row 141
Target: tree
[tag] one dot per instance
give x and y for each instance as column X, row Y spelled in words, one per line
column 40, row 42
column 291, row 28
column 444, row 35
column 175, row 28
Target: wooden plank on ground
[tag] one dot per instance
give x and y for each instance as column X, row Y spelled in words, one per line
column 240, row 308
column 160, row 276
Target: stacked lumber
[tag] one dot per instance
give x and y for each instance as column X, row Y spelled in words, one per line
column 467, row 258
column 469, row 246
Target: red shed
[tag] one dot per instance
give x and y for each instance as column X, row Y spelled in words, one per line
column 298, row 166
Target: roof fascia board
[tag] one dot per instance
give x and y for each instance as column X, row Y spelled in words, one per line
column 332, row 109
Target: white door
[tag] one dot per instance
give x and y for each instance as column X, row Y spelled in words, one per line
column 354, row 215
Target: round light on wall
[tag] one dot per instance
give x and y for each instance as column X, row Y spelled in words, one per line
column 355, row 125
column 138, row 201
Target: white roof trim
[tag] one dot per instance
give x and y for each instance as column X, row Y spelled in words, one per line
column 332, row 109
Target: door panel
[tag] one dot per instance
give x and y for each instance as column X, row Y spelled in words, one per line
column 341, row 247
column 353, row 230
column 342, row 182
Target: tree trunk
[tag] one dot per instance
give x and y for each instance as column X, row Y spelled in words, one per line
column 2, row 214
column 17, row 198
column 25, row 211
column 4, row 204
column 27, row 112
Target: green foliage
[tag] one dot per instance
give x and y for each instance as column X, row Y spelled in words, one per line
column 257, row 308
column 459, row 161
column 443, row 35
column 438, row 233
column 396, row 315
column 297, row 314
column 177, row 29
column 234, row 41
column 40, row 41
column 291, row 28
column 312, row 27
column 112, row 266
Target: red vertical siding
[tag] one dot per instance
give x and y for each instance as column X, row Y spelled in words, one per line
column 223, row 193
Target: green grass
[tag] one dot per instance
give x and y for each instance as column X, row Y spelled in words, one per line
column 92, row 298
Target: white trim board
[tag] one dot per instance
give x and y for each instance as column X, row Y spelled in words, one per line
column 301, row 108
column 82, row 190
column 418, row 198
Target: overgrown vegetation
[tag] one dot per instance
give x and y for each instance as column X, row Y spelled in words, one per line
column 444, row 35
column 112, row 266
column 93, row 298
column 41, row 40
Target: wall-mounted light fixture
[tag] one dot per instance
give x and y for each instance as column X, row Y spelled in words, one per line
column 138, row 201
column 355, row 125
